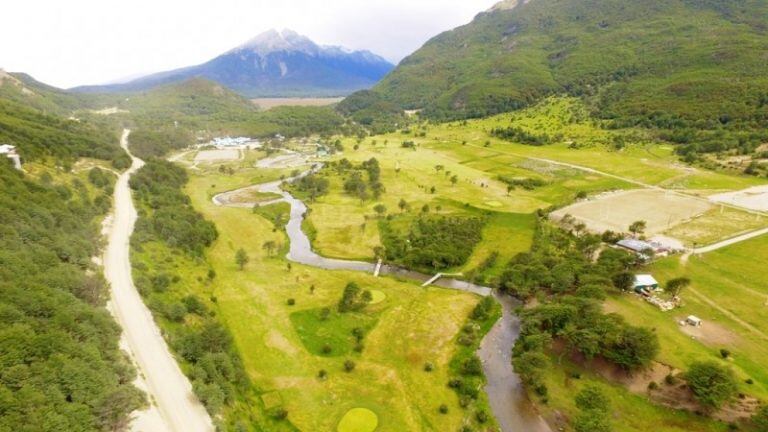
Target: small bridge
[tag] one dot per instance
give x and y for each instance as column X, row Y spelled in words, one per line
column 438, row 276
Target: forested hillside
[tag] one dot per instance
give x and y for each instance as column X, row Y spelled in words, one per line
column 668, row 64
column 39, row 120
column 61, row 366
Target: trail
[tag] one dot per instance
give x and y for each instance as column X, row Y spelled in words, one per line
column 731, row 241
column 167, row 387
column 506, row 394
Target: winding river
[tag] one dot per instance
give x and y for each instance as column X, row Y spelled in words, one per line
column 506, row 394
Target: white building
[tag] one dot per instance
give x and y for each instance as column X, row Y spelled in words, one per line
column 10, row 152
column 693, row 320
column 237, row 142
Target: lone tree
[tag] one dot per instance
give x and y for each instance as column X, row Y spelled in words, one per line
column 439, row 168
column 594, row 408
column 623, row 281
column 403, row 205
column 454, row 180
column 354, row 298
column 269, row 246
column 638, row 227
column 675, row 286
column 380, row 209
column 241, row 258
column 712, row 384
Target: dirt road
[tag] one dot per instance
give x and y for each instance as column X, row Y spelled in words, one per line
column 167, row 387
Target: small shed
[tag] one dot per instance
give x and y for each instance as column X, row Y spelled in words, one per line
column 693, row 321
column 645, row 284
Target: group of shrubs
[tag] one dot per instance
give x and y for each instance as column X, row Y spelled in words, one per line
column 166, row 213
column 433, row 243
column 559, row 269
column 192, row 328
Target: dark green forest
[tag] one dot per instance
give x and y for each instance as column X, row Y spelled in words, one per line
column 39, row 136
column 61, row 366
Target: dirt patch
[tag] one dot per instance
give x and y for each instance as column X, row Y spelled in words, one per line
column 755, row 198
column 109, row 111
column 674, row 394
column 276, row 340
column 269, row 103
column 615, row 211
column 217, row 155
column 710, row 333
column 291, row 160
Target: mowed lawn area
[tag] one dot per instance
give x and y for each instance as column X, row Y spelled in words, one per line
column 282, row 345
column 729, row 292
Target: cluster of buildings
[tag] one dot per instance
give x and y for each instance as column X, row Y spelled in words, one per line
column 10, row 152
column 647, row 249
column 235, row 143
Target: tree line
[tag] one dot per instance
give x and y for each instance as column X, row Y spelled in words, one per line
column 189, row 322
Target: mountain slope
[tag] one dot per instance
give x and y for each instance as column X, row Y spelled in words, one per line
column 658, row 62
column 276, row 64
column 37, row 119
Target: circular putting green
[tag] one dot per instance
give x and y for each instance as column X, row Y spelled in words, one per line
column 377, row 297
column 358, row 420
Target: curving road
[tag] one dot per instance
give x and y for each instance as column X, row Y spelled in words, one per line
column 506, row 394
column 176, row 409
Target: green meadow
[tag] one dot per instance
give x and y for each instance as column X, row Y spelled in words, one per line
column 275, row 313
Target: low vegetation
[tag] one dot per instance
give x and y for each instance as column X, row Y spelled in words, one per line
column 168, row 226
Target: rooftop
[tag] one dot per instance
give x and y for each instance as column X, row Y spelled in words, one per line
column 645, row 280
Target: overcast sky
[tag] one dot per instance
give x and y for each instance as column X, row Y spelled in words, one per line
column 73, row 42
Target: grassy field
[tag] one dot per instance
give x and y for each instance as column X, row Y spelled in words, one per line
column 481, row 163
column 729, row 294
column 282, row 344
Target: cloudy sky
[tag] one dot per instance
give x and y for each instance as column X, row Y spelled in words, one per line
column 75, row 42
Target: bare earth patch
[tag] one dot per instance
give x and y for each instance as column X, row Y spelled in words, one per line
column 616, row 211
column 217, row 155
column 676, row 395
column 276, row 340
column 710, row 333
column 269, row 103
column 755, row 198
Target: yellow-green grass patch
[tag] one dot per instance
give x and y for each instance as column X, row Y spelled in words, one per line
column 358, row 420
column 377, row 297
column 717, row 224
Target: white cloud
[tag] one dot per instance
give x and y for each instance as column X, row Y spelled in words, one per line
column 74, row 42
